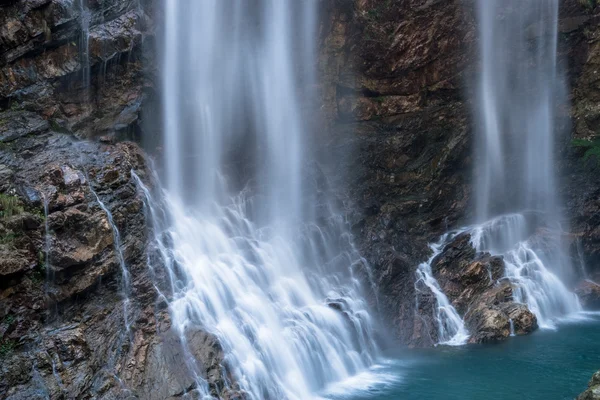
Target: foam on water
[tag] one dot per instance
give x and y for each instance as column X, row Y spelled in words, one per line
column 367, row 383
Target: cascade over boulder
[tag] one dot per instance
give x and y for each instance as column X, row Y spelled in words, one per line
column 474, row 284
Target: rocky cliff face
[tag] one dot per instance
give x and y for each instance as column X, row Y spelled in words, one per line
column 396, row 89
column 70, row 327
column 76, row 65
column 393, row 89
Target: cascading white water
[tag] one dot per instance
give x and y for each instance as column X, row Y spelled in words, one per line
column 517, row 203
column 257, row 256
column 451, row 327
column 529, row 256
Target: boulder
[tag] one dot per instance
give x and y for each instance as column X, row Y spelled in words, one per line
column 593, row 390
column 589, row 294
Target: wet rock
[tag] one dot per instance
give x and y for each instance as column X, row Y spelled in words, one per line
column 489, row 319
column 41, row 64
column 593, row 390
column 463, row 275
column 16, row 124
column 14, row 261
column 6, row 175
column 524, row 321
column 589, row 294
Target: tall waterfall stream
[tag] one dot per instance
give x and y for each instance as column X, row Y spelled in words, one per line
column 265, row 263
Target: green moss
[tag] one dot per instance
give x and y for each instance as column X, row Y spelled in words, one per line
column 39, row 274
column 10, row 206
column 56, row 127
column 591, row 147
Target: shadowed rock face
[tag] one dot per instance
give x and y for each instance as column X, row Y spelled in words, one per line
column 589, row 295
column 393, row 93
column 43, row 62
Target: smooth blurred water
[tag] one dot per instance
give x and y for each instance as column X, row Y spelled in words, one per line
column 451, row 327
column 542, row 366
column 256, row 254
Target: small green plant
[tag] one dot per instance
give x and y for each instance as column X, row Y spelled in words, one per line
column 592, row 148
column 9, row 319
column 6, row 347
column 9, row 206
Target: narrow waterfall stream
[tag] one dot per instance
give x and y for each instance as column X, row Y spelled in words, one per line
column 451, row 327
column 259, row 256
column 125, row 275
column 84, row 41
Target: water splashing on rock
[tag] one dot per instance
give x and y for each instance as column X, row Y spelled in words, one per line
column 451, row 327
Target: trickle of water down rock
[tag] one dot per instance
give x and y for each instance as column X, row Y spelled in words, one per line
column 261, row 261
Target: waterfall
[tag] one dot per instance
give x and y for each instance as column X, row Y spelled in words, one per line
column 258, row 256
column 125, row 275
column 47, row 266
column 518, row 210
column 451, row 327
column 85, row 17
column 50, row 275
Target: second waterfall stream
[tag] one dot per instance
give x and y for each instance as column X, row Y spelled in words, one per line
column 259, row 258
column 518, row 213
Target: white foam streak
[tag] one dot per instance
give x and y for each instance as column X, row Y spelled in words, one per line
column 451, row 327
